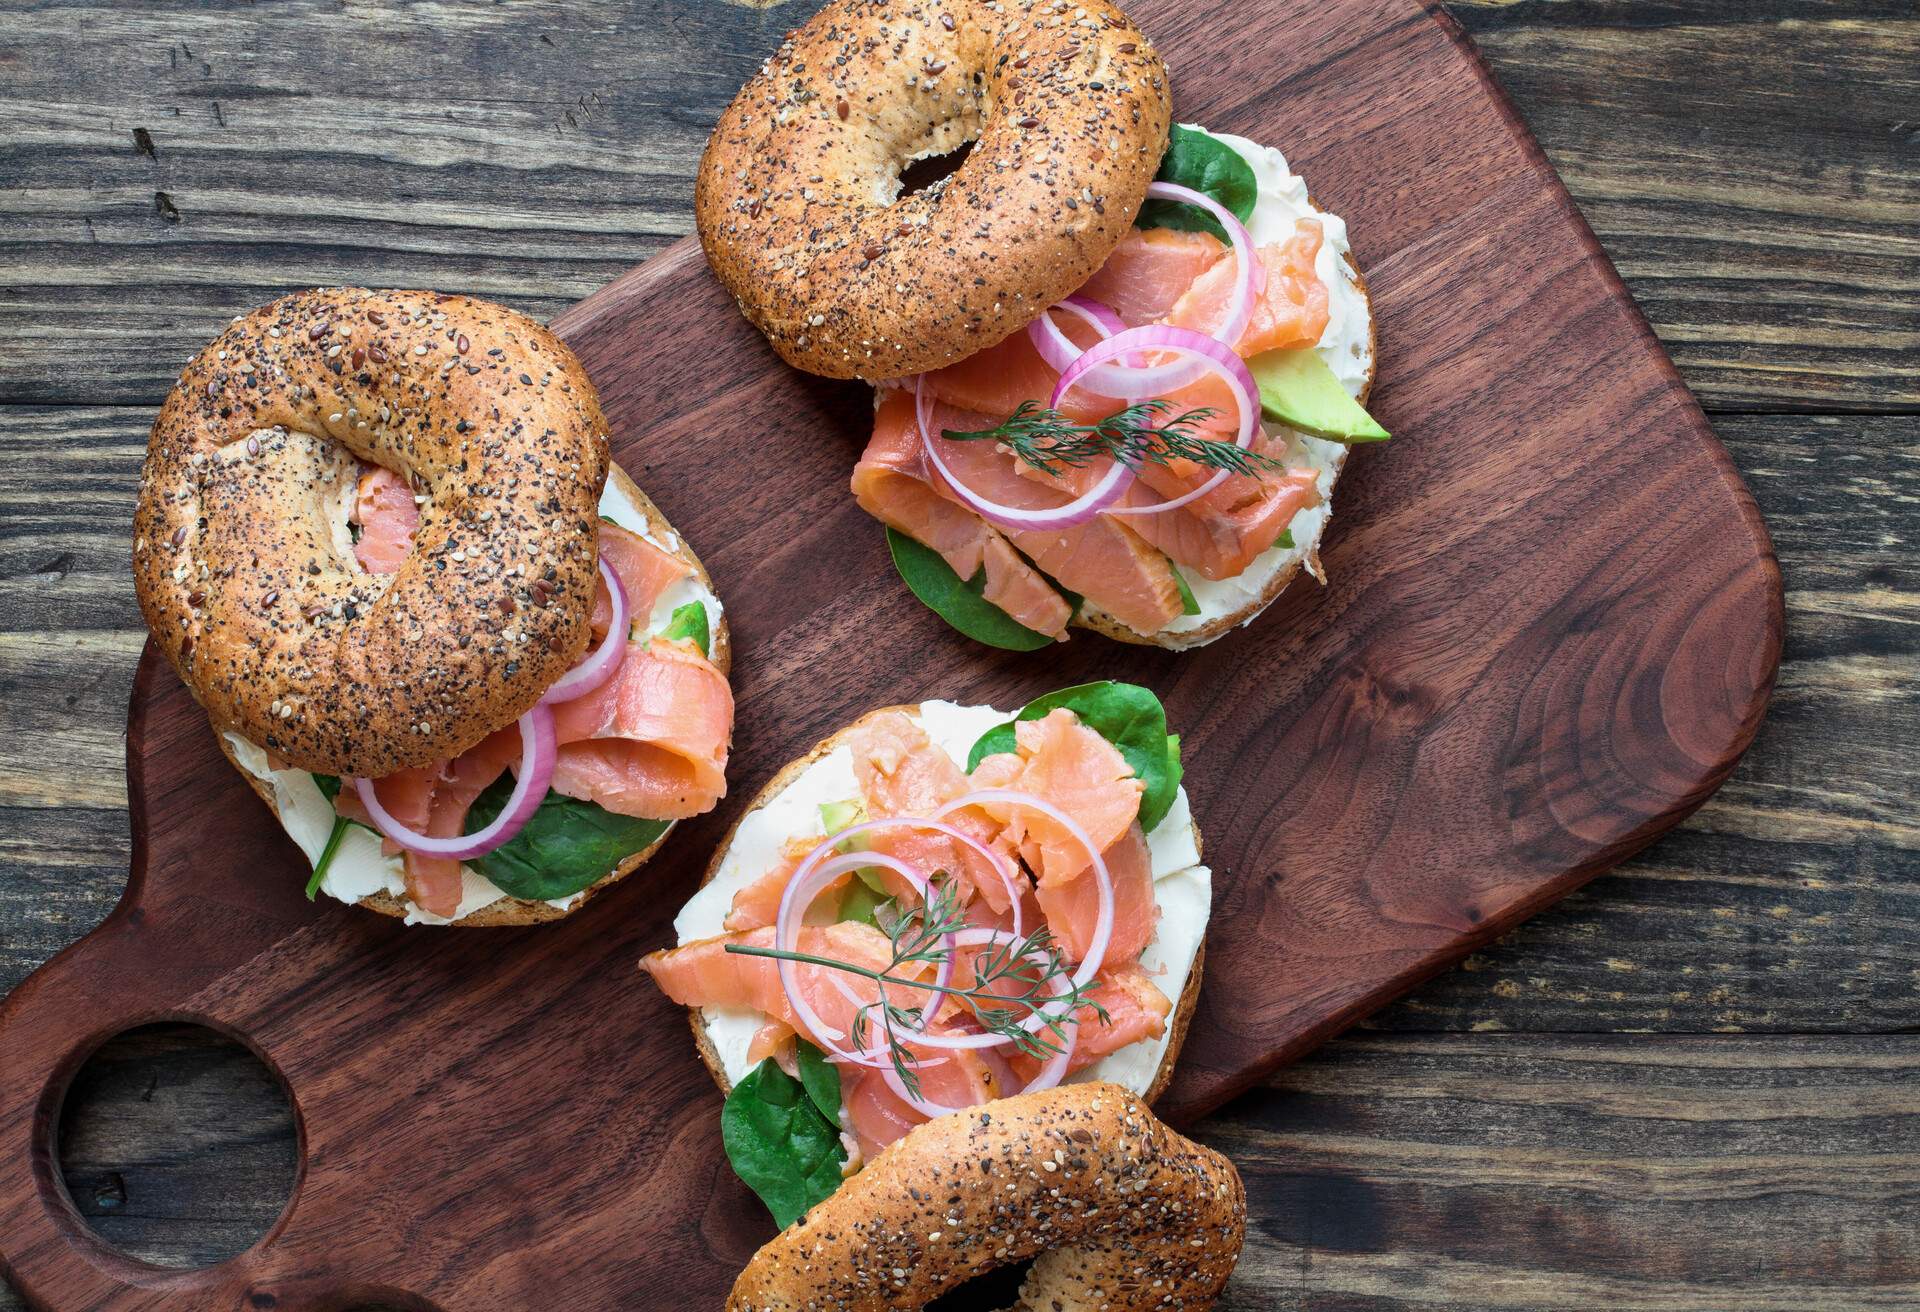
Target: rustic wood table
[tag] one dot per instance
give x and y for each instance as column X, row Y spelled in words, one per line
column 1695, row 1084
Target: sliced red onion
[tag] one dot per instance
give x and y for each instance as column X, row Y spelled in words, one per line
column 1246, row 286
column 1001, row 866
column 1018, row 518
column 537, row 753
column 1204, row 351
column 598, row 665
column 1103, row 925
column 809, row 880
column 1049, row 1074
column 1059, row 351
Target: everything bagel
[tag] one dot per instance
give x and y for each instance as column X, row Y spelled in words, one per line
column 1117, row 1211
column 242, row 560
column 798, row 202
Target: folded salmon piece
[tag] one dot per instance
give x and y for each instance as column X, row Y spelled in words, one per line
column 645, row 572
column 1150, row 270
column 1062, row 761
column 1136, row 1009
column 651, row 741
column 892, row 483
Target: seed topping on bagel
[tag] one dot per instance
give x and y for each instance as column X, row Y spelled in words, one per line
column 1117, row 1211
column 243, row 559
column 799, row 205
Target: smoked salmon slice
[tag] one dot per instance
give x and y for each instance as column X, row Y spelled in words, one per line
column 645, row 572
column 1080, row 772
column 704, row 974
column 1151, row 269
column 384, row 509
column 651, row 741
column 1136, row 1009
column 1290, row 310
column 1072, row 906
column 893, row 484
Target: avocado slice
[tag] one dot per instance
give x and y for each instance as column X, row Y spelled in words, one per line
column 1299, row 390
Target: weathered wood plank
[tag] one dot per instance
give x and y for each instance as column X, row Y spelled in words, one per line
column 1752, row 170
column 1789, row 902
column 1388, row 1172
column 1765, row 1175
column 214, row 156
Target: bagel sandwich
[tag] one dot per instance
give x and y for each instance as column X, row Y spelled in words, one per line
column 1119, row 360
column 465, row 660
column 986, row 472
column 831, row 861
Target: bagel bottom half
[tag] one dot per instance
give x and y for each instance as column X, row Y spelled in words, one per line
column 520, row 911
column 1177, row 1019
column 1117, row 1211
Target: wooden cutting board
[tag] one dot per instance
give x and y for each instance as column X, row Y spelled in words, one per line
column 1553, row 622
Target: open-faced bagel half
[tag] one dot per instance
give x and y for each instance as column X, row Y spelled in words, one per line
column 520, row 911
column 1177, row 1020
column 1117, row 1211
column 244, row 568
column 798, row 202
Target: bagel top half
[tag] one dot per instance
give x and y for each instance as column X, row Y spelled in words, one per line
column 1183, row 891
column 798, row 203
column 242, row 560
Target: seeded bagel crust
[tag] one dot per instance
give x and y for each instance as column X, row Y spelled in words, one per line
column 1176, row 1021
column 519, row 911
column 1118, row 1212
column 1099, row 621
column 242, row 562
column 798, row 202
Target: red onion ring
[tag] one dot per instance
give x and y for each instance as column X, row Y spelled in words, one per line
column 1205, row 351
column 1076, row 512
column 1059, row 351
column 1103, row 925
column 1046, row 1077
column 809, row 879
column 1001, row 866
column 598, row 665
column 537, row 752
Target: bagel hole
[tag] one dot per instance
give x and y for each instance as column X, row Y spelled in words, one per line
column 990, row 1291
column 177, row 1145
column 924, row 173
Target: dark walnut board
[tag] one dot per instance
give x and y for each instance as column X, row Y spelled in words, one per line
column 1553, row 622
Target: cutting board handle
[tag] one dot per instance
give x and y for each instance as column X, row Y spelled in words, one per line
column 121, row 976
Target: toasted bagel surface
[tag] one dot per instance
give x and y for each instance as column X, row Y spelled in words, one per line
column 798, row 202
column 1117, row 1211
column 242, row 559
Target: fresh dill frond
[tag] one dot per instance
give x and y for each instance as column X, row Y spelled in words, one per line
column 1045, row 439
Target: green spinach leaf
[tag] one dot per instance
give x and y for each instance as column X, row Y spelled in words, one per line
column 1126, row 715
column 566, row 846
column 820, row 1078
column 1207, row 164
column 689, row 622
column 959, row 602
column 779, row 1142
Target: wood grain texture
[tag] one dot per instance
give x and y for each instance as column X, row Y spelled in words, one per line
column 1504, row 712
column 1510, row 1173
column 216, row 155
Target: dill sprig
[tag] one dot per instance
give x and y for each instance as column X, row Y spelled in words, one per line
column 1013, row 979
column 1137, row 435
